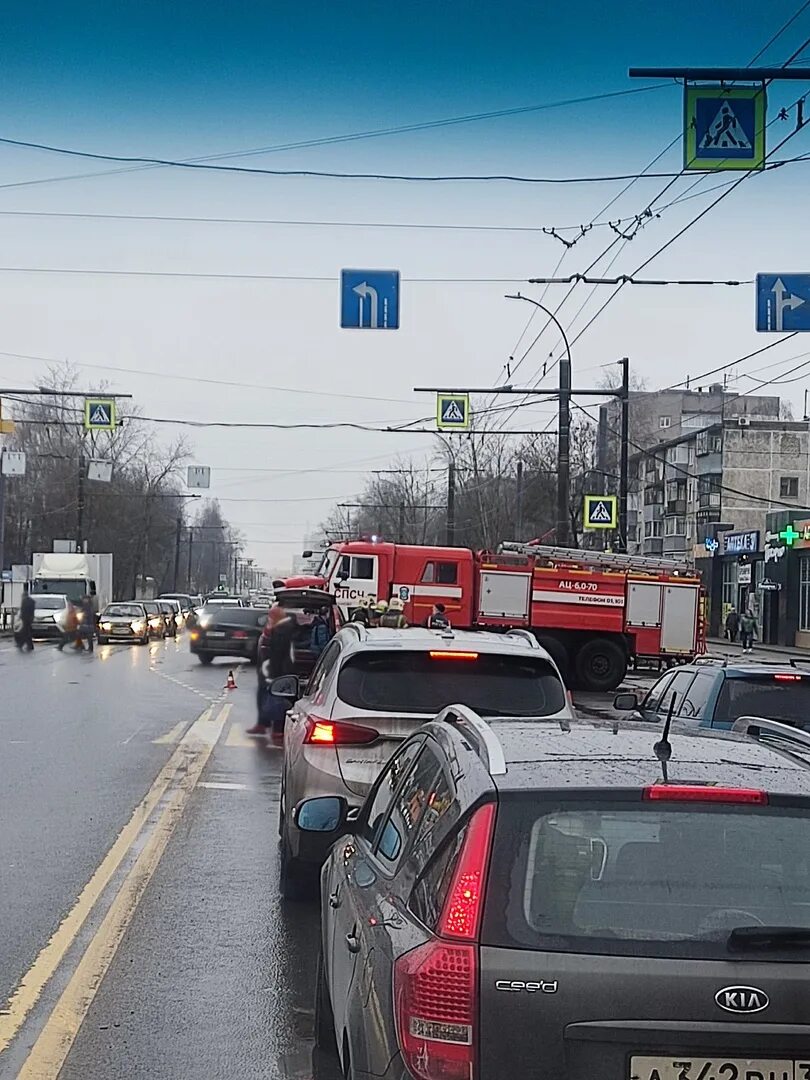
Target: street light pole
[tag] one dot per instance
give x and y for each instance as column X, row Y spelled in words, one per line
column 563, row 426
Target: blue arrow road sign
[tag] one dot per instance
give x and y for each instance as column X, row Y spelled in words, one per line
column 783, row 303
column 369, row 299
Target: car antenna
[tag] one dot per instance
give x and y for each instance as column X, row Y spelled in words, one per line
column 663, row 748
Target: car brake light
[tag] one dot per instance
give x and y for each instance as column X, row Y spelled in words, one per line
column 788, row 678
column 240, row 634
column 704, row 793
column 461, row 914
column 450, row 654
column 435, row 1009
column 338, row 733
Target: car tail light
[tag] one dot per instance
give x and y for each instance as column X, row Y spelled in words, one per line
column 452, row 654
column 338, row 733
column 788, row 678
column 240, row 634
column 461, row 915
column 704, row 793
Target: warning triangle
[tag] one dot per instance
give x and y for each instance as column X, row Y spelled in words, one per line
column 452, row 413
column 99, row 416
column 725, row 132
column 600, row 512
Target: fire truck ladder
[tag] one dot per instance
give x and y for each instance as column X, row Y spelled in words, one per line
column 607, row 560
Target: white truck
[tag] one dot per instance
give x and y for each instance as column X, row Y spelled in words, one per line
column 77, row 575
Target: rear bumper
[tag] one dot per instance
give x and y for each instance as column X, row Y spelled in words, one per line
column 243, row 649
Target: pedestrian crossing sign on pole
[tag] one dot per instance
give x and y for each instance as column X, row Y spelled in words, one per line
column 99, row 414
column 600, row 512
column 724, row 128
column 453, row 412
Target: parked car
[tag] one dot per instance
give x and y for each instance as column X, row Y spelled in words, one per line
column 715, row 693
column 373, row 688
column 50, row 613
column 124, row 622
column 552, row 898
column 226, row 630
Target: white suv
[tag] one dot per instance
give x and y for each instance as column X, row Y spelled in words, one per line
column 373, row 688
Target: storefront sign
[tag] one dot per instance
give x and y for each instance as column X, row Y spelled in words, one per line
column 741, row 543
column 744, row 574
column 775, row 552
column 766, row 585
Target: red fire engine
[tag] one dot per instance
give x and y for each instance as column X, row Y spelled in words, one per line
column 593, row 611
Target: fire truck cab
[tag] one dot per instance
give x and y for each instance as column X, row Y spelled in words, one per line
column 592, row 611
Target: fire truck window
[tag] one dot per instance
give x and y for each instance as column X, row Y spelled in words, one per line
column 429, row 573
column 344, row 568
column 362, row 568
column 446, row 573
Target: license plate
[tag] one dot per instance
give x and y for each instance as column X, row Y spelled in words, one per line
column 686, row 1067
column 216, row 633
column 121, row 630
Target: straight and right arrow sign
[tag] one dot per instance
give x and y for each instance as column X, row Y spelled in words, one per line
column 783, row 303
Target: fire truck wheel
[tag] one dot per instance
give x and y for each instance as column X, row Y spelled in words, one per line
column 558, row 653
column 601, row 664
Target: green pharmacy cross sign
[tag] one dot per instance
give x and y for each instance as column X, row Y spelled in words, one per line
column 789, row 535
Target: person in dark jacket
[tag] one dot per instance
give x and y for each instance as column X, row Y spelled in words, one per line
column 276, row 646
column 24, row 636
column 87, row 623
column 437, row 620
column 732, row 624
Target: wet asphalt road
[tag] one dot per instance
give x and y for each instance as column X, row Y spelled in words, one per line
column 212, row 975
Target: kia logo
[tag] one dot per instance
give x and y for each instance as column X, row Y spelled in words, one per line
column 742, row 999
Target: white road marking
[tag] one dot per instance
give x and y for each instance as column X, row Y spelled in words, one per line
column 222, row 785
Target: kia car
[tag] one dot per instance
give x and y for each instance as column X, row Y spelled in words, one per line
column 603, row 900
column 371, row 689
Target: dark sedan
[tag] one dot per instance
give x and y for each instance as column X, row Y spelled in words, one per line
column 223, row 630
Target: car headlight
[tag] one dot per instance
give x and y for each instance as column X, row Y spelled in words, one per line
column 138, row 627
column 154, row 623
column 205, row 622
column 106, row 626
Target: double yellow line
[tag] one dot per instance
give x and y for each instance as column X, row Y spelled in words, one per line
column 150, row 827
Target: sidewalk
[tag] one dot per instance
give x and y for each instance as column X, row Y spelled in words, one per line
column 735, row 649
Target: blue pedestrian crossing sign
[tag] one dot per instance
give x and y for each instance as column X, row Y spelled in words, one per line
column 453, row 412
column 369, row 299
column 600, row 512
column 783, row 303
column 99, row 414
column 724, row 128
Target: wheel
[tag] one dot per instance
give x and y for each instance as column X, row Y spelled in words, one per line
column 205, row 658
column 325, row 1038
column 558, row 653
column 293, row 882
column 600, row 664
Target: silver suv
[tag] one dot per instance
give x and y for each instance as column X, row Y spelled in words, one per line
column 370, row 690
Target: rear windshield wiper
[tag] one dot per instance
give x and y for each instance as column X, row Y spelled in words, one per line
column 769, row 937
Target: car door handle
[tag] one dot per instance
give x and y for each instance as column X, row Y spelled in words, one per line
column 353, row 942
column 334, row 899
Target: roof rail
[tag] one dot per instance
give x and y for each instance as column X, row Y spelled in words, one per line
column 485, row 737
column 756, row 726
column 526, row 635
column 357, row 627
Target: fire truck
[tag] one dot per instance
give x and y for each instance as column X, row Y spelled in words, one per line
column 593, row 611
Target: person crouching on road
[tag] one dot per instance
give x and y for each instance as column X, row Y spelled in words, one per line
column 394, row 619
column 437, row 620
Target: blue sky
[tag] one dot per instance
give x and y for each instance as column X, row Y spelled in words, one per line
column 183, row 80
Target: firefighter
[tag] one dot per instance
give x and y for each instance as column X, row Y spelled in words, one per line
column 376, row 613
column 393, row 619
column 362, row 613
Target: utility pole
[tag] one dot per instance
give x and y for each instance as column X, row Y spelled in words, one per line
column 451, row 504
column 401, row 537
column 624, row 398
column 80, row 506
column 177, row 536
column 190, row 544
column 519, row 501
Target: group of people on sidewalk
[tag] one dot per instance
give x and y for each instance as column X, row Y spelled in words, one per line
column 78, row 628
column 745, row 625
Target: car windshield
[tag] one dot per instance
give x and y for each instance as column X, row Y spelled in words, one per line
column 424, row 682
column 635, row 878
column 778, row 695
column 48, row 603
column 125, row 611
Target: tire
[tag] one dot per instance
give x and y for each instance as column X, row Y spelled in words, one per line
column 325, row 1038
column 600, row 664
column 205, row 658
column 558, row 653
column 293, row 882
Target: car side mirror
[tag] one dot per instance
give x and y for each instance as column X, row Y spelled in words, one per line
column 306, row 554
column 327, row 814
column 625, row 702
column 286, row 686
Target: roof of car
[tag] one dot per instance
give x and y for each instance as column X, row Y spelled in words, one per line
column 740, row 668
column 612, row 755
column 420, row 639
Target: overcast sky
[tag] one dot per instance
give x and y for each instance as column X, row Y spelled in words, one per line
column 188, row 80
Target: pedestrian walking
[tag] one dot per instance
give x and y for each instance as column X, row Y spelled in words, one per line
column 748, row 630
column 24, row 630
column 437, row 620
column 394, row 618
column 87, row 624
column 69, row 626
column 732, row 624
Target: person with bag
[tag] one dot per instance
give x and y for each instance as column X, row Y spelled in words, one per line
column 24, row 626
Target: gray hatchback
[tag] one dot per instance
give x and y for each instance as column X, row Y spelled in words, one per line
column 583, row 901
